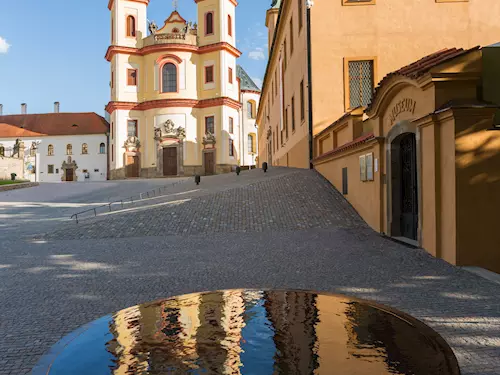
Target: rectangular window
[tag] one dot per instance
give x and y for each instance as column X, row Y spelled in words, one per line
column 344, row 181
column 231, row 147
column 132, row 128
column 284, row 55
column 301, row 22
column 209, row 74
column 291, row 35
column 112, row 79
column 286, row 123
column 276, row 82
column 111, row 130
column 249, row 110
column 293, row 113
column 231, row 125
column 96, row 170
column 302, row 102
column 229, row 25
column 132, row 77
column 210, row 125
column 230, row 74
column 50, row 168
column 113, row 152
column 359, row 85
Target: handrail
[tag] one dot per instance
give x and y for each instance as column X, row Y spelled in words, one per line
column 131, row 199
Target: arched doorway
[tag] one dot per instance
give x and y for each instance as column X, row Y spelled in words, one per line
column 404, row 186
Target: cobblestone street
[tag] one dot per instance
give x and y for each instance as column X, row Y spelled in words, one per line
column 225, row 233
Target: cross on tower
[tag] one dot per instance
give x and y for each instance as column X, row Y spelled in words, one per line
column 175, row 4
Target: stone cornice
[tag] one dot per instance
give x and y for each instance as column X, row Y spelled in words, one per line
column 168, row 103
column 113, row 50
column 111, row 2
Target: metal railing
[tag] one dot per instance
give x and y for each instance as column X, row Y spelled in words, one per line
column 129, row 200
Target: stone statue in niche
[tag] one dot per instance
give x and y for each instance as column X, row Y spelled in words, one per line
column 132, row 144
column 153, row 28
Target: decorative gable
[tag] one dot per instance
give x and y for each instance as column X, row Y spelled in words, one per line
column 174, row 23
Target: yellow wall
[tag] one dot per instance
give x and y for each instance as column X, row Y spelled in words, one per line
column 363, row 195
column 395, row 32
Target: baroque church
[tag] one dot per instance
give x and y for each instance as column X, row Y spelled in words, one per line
column 175, row 105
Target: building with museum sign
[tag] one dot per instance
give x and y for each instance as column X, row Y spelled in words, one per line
column 421, row 163
column 175, row 100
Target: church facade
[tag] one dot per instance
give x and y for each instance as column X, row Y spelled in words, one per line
column 175, row 106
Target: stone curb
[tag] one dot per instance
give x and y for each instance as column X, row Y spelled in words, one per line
column 18, row 186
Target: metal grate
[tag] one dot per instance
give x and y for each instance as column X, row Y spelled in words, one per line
column 360, row 83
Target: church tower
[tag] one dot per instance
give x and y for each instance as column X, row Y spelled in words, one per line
column 128, row 22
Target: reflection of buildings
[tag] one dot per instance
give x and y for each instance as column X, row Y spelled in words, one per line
column 294, row 317
column 234, row 332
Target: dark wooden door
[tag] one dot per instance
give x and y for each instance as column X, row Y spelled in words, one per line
column 409, row 199
column 170, row 161
column 209, row 163
column 69, row 174
column 132, row 166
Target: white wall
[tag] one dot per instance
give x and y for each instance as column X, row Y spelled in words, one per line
column 248, row 126
column 91, row 162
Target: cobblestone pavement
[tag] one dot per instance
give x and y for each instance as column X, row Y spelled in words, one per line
column 300, row 234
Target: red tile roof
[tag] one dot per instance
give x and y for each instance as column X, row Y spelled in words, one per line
column 424, row 65
column 52, row 124
column 353, row 144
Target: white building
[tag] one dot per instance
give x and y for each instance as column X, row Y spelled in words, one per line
column 57, row 146
column 250, row 98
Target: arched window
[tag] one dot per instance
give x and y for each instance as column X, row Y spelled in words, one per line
column 230, row 25
column 69, row 149
column 2, row 150
column 209, row 23
column 102, row 148
column 169, row 78
column 130, row 26
column 250, row 109
column 175, row 30
column 50, row 150
column 250, row 143
column 85, row 149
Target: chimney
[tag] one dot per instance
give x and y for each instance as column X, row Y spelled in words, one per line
column 1, row 109
column 56, row 107
column 24, row 108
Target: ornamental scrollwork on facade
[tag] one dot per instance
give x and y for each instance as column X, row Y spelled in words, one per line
column 132, row 144
column 209, row 139
column 168, row 130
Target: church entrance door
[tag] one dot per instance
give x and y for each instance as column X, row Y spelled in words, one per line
column 170, row 161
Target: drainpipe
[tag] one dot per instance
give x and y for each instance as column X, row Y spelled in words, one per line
column 309, row 4
column 242, row 128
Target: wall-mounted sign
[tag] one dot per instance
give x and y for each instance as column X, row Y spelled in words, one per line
column 404, row 105
column 369, row 167
column 362, row 167
column 366, row 167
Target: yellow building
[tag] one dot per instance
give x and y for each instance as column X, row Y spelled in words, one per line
column 422, row 163
column 353, row 45
column 174, row 107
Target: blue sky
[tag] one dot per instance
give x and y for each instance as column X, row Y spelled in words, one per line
column 53, row 50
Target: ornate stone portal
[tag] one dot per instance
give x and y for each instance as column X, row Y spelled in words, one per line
column 71, row 166
column 166, row 136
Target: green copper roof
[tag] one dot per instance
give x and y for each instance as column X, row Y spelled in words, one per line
column 245, row 80
column 276, row 3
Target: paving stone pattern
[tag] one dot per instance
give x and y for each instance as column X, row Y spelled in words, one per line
column 298, row 234
column 296, row 201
